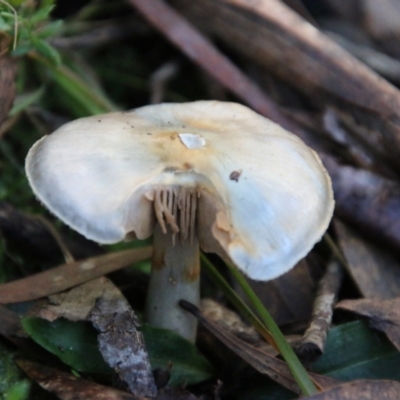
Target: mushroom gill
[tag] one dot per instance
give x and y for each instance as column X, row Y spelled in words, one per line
column 176, row 206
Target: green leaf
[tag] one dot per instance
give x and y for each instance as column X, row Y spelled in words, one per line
column 46, row 50
column 25, row 100
column 50, row 29
column 165, row 347
column 7, row 15
column 88, row 99
column 42, row 14
column 75, row 343
column 48, row 2
column 354, row 351
column 22, row 50
column 16, row 3
column 19, row 391
column 4, row 26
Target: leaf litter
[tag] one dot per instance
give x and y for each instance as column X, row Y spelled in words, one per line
column 120, row 340
column 383, row 315
column 362, row 160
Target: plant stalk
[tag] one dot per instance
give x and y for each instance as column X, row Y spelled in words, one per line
column 175, row 275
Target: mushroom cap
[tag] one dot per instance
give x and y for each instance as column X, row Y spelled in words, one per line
column 264, row 197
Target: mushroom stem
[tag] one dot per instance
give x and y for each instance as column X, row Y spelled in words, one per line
column 175, row 275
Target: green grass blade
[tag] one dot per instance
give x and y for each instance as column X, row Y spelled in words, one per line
column 89, row 99
column 235, row 300
column 299, row 373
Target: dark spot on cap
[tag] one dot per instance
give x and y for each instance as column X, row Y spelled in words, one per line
column 149, row 133
column 235, row 175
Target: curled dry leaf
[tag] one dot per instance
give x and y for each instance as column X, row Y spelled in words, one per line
column 361, row 390
column 375, row 270
column 384, row 315
column 68, row 275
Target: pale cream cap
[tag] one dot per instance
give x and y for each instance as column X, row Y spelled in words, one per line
column 264, row 197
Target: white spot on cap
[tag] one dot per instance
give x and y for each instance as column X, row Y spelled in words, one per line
column 192, row 140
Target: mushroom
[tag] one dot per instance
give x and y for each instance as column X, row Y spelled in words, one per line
column 208, row 173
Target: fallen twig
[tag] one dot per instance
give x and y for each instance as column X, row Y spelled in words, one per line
column 313, row 342
column 199, row 49
column 68, row 275
column 276, row 38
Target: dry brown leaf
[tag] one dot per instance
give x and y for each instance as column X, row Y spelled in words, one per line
column 262, row 361
column 362, row 390
column 68, row 275
column 384, row 315
column 229, row 320
column 375, row 271
column 69, row 387
column 121, row 342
